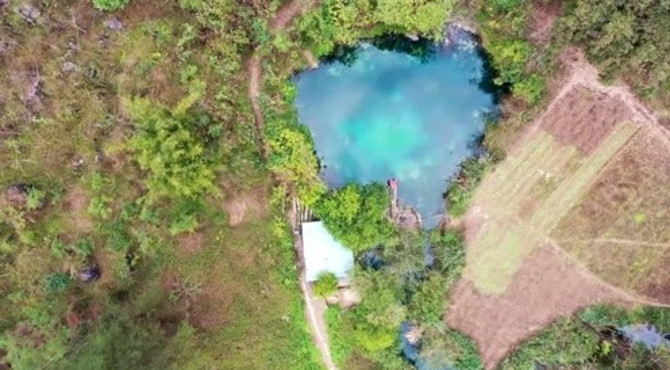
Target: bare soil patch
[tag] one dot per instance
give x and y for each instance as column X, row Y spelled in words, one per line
column 576, row 214
column 246, row 207
column 210, row 309
column 191, row 243
column 542, row 17
column 585, row 118
column 286, row 14
column 76, row 205
column 620, row 229
column 546, row 287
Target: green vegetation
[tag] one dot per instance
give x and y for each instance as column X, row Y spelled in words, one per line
column 462, row 188
column 124, row 145
column 109, row 5
column 341, row 22
column 503, row 26
column 292, row 155
column 167, row 146
column 589, row 340
column 404, row 289
column 325, row 285
column 625, row 39
column 355, row 213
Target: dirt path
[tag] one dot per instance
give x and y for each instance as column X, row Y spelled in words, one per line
column 314, row 307
column 255, row 70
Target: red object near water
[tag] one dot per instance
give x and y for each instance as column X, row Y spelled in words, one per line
column 393, row 184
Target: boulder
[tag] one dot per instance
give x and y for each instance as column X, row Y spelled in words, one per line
column 68, row 67
column 348, row 297
column 29, row 13
column 89, row 274
column 113, row 24
column 17, row 195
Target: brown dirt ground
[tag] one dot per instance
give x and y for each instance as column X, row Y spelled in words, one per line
column 190, row 243
column 542, row 17
column 584, row 118
column 246, row 207
column 551, row 282
column 76, row 204
column 546, row 288
column 604, row 224
column 210, row 310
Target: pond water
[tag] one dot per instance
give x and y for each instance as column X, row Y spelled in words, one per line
column 388, row 114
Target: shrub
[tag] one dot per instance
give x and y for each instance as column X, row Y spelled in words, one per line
column 427, row 304
column 463, row 187
column 355, row 215
column 99, row 207
column 109, row 5
column 183, row 223
column 168, row 147
column 57, row 282
column 325, row 285
column 83, row 247
column 530, row 89
column 35, row 198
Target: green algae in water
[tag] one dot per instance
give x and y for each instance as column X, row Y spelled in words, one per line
column 389, row 115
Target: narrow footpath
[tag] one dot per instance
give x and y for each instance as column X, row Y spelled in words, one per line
column 314, row 307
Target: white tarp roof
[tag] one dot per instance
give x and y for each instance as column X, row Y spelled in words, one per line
column 323, row 253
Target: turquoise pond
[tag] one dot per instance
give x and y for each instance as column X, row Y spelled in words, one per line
column 388, row 114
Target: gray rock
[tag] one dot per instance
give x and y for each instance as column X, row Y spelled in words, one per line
column 113, row 24
column 89, row 274
column 34, row 91
column 17, row 195
column 4, row 46
column 68, row 67
column 29, row 13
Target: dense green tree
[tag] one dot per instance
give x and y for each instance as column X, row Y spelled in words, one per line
column 356, row 215
column 378, row 317
column 168, row 146
column 626, row 38
column 348, row 21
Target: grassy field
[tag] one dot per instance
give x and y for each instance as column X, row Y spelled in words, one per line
column 526, row 197
column 190, row 282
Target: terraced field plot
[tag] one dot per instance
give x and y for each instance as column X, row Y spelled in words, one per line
column 575, row 215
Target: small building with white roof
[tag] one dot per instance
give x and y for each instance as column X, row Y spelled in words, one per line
column 323, row 254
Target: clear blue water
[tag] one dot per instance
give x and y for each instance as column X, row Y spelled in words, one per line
column 392, row 115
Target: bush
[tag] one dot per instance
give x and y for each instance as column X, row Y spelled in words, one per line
column 169, row 148
column 355, row 215
column 428, row 302
column 185, row 222
column 462, row 188
column 566, row 343
column 35, row 198
column 446, row 349
column 530, row 89
column 57, row 282
column 109, row 5
column 325, row 285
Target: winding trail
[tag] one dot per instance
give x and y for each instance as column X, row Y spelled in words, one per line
column 314, row 307
column 255, row 69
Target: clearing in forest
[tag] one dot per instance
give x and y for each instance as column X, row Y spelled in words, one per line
column 574, row 215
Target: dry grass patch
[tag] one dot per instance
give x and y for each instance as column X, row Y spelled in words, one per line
column 246, row 206
column 76, row 205
column 545, row 287
column 620, row 229
column 524, row 199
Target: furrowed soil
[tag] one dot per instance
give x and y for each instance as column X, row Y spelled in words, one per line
column 575, row 215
